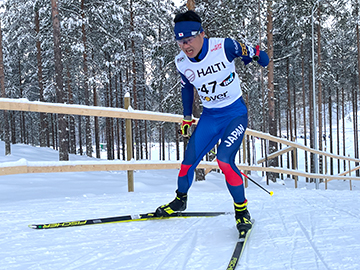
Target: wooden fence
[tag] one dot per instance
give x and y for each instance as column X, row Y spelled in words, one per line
column 23, row 166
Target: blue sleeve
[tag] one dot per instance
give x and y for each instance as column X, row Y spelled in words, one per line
column 235, row 49
column 187, row 94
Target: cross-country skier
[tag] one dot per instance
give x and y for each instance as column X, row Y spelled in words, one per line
column 208, row 65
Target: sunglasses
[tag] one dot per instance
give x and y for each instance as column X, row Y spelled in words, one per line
column 188, row 40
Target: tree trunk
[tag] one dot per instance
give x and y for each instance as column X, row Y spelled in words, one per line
column 3, row 94
column 143, row 123
column 304, row 106
column 338, row 125
column 80, row 135
column 122, row 121
column 145, row 128
column 288, row 136
column 330, row 131
column 343, row 125
column 43, row 124
column 190, row 4
column 294, row 106
column 72, row 132
column 12, row 118
column 278, row 111
column 311, row 124
column 117, row 120
column 96, row 119
column 62, row 123
column 294, row 152
column 72, row 129
column 289, row 100
column 355, row 124
column 53, row 130
column 271, row 100
column 134, row 79
column 355, row 107
column 109, row 122
column 162, row 142
column 86, row 85
column 320, row 139
column 112, row 148
column 22, row 117
column 289, row 114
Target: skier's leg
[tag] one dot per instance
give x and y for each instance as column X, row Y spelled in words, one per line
column 230, row 144
column 201, row 142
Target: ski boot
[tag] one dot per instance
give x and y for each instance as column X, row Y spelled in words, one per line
column 178, row 204
column 242, row 217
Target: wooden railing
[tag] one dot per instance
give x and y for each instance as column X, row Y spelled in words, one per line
column 24, row 166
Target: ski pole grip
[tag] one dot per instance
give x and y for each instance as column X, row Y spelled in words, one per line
column 257, row 50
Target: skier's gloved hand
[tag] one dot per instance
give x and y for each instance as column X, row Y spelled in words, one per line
column 186, row 125
column 256, row 57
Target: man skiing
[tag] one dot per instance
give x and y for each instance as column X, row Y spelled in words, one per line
column 208, row 65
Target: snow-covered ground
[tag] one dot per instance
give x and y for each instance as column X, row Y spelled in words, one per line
column 295, row 229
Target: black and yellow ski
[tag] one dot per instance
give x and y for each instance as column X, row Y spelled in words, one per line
column 239, row 248
column 126, row 218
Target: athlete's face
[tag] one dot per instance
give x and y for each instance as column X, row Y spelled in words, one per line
column 191, row 46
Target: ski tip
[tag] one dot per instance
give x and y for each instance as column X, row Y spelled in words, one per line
column 32, row 226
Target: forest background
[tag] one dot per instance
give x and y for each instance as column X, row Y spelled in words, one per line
column 93, row 52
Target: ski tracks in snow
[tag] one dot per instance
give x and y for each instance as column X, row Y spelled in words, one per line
column 197, row 246
column 311, row 243
column 180, row 252
column 306, row 230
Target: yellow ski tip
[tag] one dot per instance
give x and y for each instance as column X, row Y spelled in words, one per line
column 271, row 193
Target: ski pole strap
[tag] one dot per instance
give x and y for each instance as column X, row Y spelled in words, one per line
column 256, row 57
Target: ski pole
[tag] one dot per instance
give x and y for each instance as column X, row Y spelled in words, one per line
column 270, row 192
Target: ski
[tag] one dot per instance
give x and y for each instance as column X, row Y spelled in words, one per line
column 239, row 248
column 126, row 218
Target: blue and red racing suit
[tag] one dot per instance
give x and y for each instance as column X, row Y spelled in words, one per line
column 224, row 113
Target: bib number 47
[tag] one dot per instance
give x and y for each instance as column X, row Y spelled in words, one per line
column 205, row 89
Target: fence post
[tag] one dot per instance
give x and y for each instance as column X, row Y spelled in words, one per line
column 129, row 144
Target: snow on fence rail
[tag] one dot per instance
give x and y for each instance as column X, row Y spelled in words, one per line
column 64, row 166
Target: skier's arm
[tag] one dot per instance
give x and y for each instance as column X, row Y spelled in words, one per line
column 187, row 94
column 235, row 49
